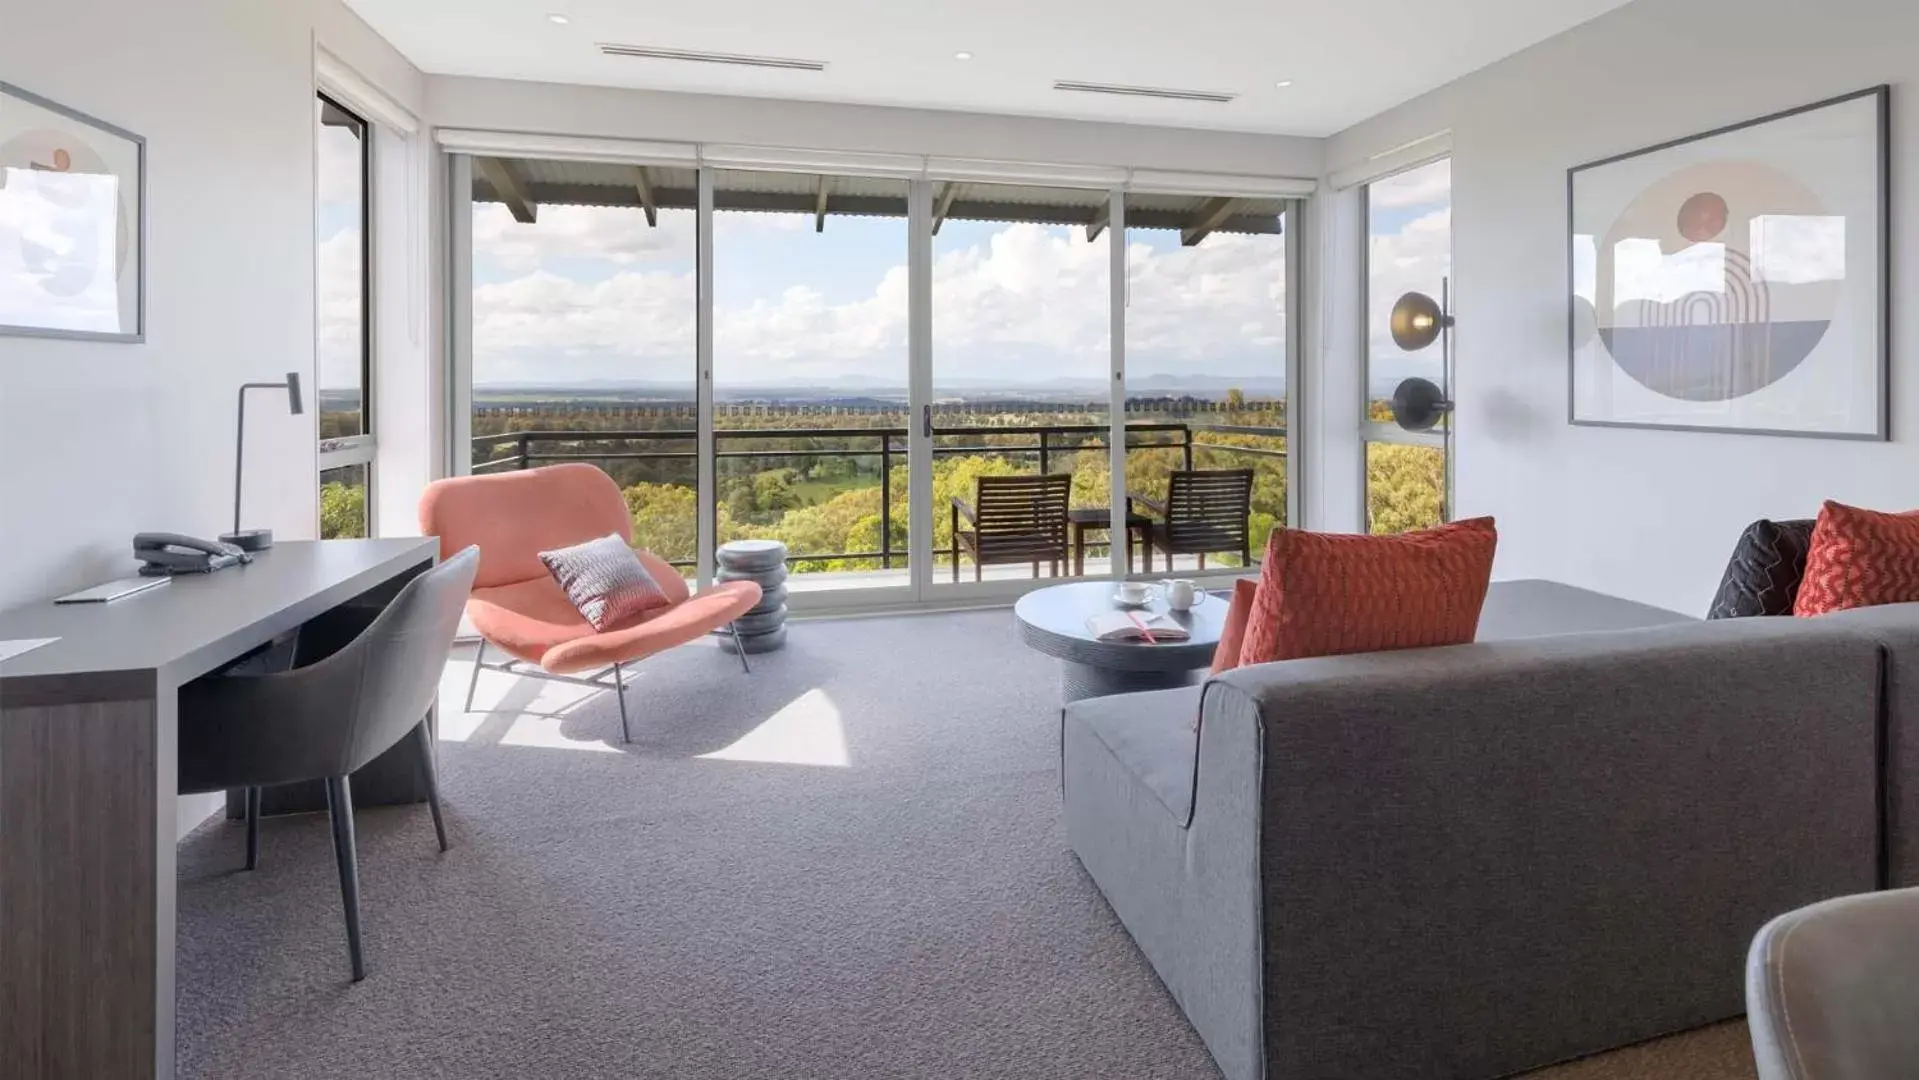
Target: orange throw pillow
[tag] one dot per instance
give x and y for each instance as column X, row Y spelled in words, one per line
column 1859, row 558
column 1323, row 594
column 1226, row 657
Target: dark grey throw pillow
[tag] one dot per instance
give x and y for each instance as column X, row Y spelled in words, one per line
column 1762, row 578
column 606, row 581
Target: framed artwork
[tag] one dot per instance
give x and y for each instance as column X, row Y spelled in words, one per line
column 1736, row 281
column 72, row 223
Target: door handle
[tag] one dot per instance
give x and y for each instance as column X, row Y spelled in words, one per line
column 926, row 420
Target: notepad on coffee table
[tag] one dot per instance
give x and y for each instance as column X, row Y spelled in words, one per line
column 1135, row 626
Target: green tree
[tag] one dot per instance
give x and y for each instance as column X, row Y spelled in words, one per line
column 1404, row 487
column 665, row 520
column 342, row 510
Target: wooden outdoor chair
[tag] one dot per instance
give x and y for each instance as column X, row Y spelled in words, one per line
column 1015, row 519
column 1206, row 512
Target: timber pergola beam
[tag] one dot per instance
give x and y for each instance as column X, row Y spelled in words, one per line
column 1211, row 215
column 1102, row 217
column 644, row 188
column 507, row 186
column 944, row 206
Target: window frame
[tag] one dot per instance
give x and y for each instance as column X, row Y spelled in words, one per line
column 1379, row 431
column 361, row 449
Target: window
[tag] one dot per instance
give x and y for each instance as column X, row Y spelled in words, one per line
column 343, row 273
column 1022, row 353
column 1409, row 239
column 585, row 309
column 1206, row 338
column 810, row 372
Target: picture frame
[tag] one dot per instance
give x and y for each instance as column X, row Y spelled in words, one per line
column 73, row 223
column 1737, row 281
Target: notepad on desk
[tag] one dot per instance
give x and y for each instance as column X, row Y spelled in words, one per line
column 1135, row 626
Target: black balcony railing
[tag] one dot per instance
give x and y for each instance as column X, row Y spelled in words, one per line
column 531, row 449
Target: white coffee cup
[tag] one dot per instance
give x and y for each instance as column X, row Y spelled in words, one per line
column 1180, row 593
column 1134, row 592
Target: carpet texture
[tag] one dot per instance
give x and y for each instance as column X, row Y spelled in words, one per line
column 848, row 863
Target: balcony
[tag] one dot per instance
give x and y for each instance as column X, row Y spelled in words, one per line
column 818, row 486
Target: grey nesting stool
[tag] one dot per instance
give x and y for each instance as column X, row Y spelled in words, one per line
column 763, row 627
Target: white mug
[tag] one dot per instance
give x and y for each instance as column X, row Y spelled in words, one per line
column 1180, row 594
column 1134, row 592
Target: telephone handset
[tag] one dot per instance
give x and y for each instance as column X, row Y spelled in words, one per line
column 163, row 554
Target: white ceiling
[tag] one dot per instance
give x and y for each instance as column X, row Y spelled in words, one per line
column 1347, row 59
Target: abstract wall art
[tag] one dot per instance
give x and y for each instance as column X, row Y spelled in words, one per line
column 72, row 223
column 1736, row 281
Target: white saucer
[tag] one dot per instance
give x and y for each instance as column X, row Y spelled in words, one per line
column 1146, row 601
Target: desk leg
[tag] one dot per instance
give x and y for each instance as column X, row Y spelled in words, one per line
column 87, row 822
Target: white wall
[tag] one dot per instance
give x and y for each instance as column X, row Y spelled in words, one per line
column 554, row 109
column 1645, row 514
column 99, row 441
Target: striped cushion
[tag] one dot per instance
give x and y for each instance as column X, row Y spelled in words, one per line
column 1859, row 558
column 606, row 581
column 1322, row 594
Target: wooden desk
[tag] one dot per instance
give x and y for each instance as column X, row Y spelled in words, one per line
column 88, row 782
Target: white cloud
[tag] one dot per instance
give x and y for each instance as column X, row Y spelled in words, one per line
column 1423, row 186
column 619, row 235
column 1031, row 302
column 337, row 151
column 1193, row 308
column 337, row 266
column 1417, row 258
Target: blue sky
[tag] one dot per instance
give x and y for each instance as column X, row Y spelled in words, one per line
column 1409, row 219
column 337, row 255
column 592, row 293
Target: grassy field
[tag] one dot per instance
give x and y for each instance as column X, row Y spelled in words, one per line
column 815, row 492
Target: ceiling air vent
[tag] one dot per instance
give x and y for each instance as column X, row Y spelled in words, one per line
column 695, row 56
column 1144, row 91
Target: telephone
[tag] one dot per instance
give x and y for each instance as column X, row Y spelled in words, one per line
column 165, row 554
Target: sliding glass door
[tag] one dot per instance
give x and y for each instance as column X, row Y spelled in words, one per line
column 583, row 339
column 1021, row 378
column 811, row 373
column 1207, row 342
column 929, row 389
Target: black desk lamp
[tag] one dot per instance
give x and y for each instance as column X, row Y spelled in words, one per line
column 255, row 539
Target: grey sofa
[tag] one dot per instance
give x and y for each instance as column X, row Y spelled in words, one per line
column 1472, row 861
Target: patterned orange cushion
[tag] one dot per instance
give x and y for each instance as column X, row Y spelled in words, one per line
column 1322, row 594
column 1226, row 657
column 1859, row 558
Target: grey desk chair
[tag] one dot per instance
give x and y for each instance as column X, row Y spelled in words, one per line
column 1832, row 990
column 323, row 721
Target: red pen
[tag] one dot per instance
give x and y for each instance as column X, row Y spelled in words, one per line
column 1141, row 623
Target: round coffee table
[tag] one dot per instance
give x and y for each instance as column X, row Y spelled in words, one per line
column 1053, row 621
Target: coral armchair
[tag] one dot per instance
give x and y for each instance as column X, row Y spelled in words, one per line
column 517, row 606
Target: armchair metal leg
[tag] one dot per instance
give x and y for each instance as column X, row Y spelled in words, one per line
column 472, row 683
column 339, row 800
column 424, row 735
column 253, row 827
column 619, row 690
column 739, row 647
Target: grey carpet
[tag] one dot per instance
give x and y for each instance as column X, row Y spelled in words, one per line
column 649, row 913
